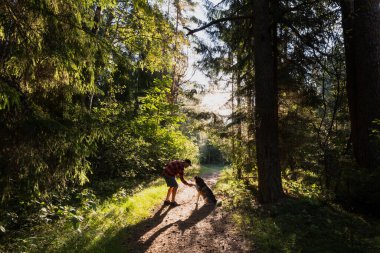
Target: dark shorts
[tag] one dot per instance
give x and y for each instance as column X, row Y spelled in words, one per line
column 170, row 181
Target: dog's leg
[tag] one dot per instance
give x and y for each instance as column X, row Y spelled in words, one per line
column 199, row 194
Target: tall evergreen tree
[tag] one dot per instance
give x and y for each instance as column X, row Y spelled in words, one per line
column 362, row 45
column 266, row 113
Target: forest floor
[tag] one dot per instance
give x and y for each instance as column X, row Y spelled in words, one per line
column 185, row 228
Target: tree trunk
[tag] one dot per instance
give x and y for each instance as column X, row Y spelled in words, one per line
column 270, row 186
column 250, row 130
column 238, row 116
column 361, row 19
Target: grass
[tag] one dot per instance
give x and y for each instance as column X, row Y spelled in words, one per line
column 96, row 229
column 298, row 224
column 210, row 168
column 202, row 170
column 90, row 231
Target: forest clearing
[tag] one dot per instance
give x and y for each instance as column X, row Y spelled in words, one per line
column 108, row 106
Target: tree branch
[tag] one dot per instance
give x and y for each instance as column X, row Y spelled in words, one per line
column 303, row 40
column 216, row 21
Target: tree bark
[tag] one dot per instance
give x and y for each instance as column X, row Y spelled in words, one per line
column 361, row 19
column 270, row 185
column 250, row 129
column 238, row 114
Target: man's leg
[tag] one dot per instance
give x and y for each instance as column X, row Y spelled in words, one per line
column 168, row 195
column 174, row 192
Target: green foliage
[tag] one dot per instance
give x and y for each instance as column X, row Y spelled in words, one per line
column 143, row 145
column 9, row 97
column 210, row 154
column 83, row 100
column 302, row 184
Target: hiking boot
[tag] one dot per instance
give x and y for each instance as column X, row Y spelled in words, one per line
column 166, row 202
column 174, row 204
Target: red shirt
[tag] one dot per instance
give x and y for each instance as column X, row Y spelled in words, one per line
column 175, row 168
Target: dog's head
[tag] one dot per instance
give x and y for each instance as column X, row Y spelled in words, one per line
column 199, row 181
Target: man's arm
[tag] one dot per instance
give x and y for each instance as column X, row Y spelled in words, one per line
column 184, row 181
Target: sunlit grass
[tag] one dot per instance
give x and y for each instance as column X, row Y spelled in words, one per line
column 98, row 226
column 210, row 168
column 197, row 170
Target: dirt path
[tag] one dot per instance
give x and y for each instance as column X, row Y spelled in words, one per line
column 186, row 228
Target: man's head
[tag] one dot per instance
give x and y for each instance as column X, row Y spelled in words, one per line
column 187, row 163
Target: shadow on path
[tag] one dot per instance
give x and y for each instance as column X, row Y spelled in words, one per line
column 196, row 216
column 126, row 240
column 139, row 245
column 136, row 232
column 141, row 236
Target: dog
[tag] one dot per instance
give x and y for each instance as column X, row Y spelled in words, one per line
column 204, row 191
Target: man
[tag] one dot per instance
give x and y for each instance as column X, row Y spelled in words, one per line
column 173, row 169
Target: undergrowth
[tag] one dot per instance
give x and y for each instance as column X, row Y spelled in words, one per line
column 301, row 223
column 90, row 227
